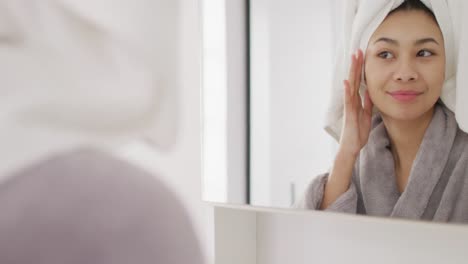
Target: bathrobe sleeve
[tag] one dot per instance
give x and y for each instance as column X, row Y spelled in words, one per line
column 313, row 195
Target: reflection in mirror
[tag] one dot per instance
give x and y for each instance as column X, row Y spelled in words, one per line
column 291, row 63
column 264, row 40
column 381, row 77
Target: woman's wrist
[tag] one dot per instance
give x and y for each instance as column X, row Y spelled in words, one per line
column 344, row 154
column 343, row 167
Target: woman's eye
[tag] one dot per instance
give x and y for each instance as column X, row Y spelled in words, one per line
column 385, row 55
column 424, row 53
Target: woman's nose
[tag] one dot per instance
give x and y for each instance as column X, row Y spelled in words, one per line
column 406, row 71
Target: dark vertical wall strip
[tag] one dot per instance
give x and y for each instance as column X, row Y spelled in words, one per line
column 247, row 68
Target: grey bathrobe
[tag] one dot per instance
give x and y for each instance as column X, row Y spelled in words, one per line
column 437, row 187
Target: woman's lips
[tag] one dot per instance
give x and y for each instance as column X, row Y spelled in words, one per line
column 405, row 96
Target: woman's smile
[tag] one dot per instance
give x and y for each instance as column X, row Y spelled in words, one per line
column 405, row 96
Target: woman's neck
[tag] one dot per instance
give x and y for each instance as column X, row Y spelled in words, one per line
column 406, row 137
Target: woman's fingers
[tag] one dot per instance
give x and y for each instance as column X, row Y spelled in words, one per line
column 354, row 76
column 352, row 73
column 350, row 101
column 352, row 106
column 353, row 102
column 358, row 71
column 357, row 110
column 347, row 94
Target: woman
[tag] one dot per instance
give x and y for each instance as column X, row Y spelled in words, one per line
column 408, row 160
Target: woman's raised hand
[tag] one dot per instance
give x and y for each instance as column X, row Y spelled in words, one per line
column 354, row 135
column 357, row 116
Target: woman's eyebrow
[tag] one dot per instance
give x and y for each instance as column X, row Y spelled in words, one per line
column 388, row 40
column 425, row 40
column 417, row 42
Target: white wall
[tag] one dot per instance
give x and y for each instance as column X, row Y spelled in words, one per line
column 291, row 60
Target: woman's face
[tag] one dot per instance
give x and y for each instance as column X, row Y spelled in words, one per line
column 405, row 65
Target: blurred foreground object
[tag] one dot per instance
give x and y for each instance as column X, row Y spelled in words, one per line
column 81, row 79
column 88, row 207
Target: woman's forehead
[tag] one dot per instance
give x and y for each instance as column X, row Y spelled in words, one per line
column 407, row 26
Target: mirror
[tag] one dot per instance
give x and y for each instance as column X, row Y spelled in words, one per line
column 264, row 137
column 276, row 38
column 291, row 59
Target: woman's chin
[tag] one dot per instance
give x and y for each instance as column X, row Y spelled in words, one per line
column 405, row 114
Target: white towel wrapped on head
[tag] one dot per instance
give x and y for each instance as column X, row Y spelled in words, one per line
column 361, row 19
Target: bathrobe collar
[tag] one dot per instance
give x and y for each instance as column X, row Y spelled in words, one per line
column 380, row 193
